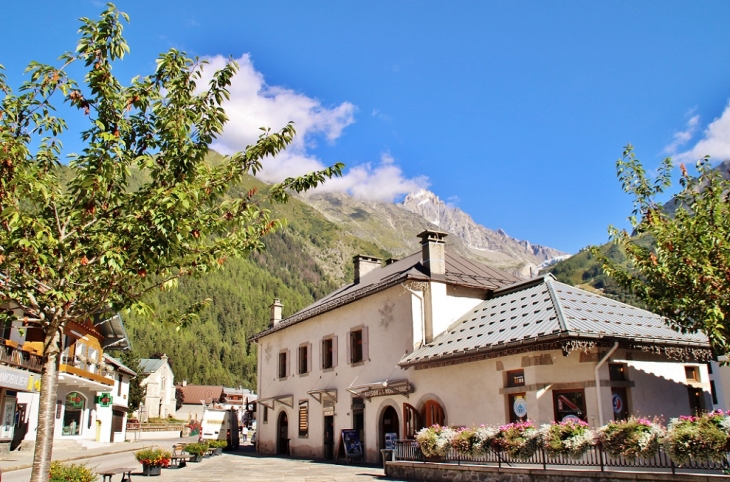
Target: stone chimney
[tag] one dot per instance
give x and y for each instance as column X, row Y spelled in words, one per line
column 185, row 383
column 433, row 253
column 275, row 308
column 364, row 265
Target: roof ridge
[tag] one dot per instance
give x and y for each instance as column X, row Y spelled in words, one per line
column 556, row 302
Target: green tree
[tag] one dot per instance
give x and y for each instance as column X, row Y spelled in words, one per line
column 684, row 272
column 137, row 392
column 71, row 251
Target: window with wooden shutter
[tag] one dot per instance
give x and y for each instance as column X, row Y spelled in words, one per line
column 303, row 366
column 282, row 364
column 334, row 352
column 327, row 353
column 434, row 414
column 365, row 348
column 356, row 353
column 309, row 357
column 411, row 421
column 303, row 419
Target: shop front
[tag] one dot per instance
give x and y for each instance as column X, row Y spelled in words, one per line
column 14, row 414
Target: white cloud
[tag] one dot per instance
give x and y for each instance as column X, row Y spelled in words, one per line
column 254, row 104
column 683, row 137
column 715, row 141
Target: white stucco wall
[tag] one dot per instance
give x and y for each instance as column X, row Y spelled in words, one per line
column 160, row 398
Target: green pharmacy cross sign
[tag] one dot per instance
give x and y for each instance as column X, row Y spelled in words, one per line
column 104, row 400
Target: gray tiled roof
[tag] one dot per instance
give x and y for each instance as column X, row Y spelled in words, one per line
column 543, row 309
column 459, row 271
column 149, row 365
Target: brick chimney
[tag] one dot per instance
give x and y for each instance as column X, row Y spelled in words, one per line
column 433, row 254
column 275, row 308
column 364, row 265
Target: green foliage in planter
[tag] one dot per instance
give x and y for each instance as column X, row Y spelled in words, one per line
column 61, row 472
column 520, row 440
column 705, row 437
column 154, row 457
column 217, row 444
column 633, row 438
column 197, row 448
column 570, row 438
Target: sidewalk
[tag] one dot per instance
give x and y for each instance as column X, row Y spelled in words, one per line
column 23, row 459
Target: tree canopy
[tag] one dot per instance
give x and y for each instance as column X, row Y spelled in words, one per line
column 98, row 241
column 684, row 272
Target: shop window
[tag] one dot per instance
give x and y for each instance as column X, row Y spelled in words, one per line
column 517, row 403
column 358, row 346
column 516, row 378
column 73, row 413
column 283, row 368
column 617, row 372
column 329, row 352
column 692, row 373
column 620, row 403
column 303, row 419
column 434, row 414
column 569, row 405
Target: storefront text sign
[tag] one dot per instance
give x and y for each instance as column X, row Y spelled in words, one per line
column 19, row 380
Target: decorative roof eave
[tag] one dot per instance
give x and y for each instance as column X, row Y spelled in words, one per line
column 568, row 342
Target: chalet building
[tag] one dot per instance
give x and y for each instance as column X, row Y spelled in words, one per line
column 437, row 338
column 159, row 381
column 92, row 386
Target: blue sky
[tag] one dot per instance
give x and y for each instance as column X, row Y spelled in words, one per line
column 514, row 112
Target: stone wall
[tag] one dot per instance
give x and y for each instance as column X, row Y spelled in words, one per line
column 435, row 472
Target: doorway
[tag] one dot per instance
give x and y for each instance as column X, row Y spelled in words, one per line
column 329, row 437
column 73, row 414
column 390, row 426
column 282, row 443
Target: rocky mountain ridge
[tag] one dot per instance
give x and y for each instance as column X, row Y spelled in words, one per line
column 393, row 227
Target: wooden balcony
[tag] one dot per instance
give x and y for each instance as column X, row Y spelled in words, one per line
column 73, row 366
column 13, row 355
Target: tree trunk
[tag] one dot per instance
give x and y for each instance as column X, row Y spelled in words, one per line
column 47, row 408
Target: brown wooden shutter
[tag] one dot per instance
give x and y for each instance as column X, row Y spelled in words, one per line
column 309, row 357
column 365, row 348
column 349, row 347
column 334, row 351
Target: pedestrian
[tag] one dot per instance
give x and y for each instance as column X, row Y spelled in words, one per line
column 245, row 433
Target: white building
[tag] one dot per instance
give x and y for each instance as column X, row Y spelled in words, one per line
column 159, row 381
column 437, row 338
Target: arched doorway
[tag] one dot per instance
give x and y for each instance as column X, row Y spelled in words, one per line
column 73, row 413
column 282, row 441
column 389, row 426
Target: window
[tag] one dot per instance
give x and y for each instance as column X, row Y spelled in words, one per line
column 265, row 415
column 358, row 346
column 434, row 413
column 617, row 372
column 304, row 359
column 329, row 352
column 303, row 419
column 282, row 365
column 692, row 373
column 119, row 385
column 516, row 378
column 411, row 421
column 713, row 392
column 569, row 405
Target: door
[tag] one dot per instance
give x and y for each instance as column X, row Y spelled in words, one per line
column 21, row 426
column 358, row 423
column 329, row 437
column 389, row 428
column 282, row 443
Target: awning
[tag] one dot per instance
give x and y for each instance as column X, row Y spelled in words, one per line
column 382, row 389
column 287, row 400
column 324, row 394
column 115, row 336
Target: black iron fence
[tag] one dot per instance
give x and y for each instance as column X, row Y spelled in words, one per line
column 595, row 458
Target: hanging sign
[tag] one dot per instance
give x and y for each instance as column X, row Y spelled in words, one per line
column 520, row 407
column 104, row 400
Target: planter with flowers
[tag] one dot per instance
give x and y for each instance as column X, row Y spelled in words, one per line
column 571, row 438
column 435, row 441
column 520, row 440
column 197, row 450
column 153, row 460
column 705, row 437
column 218, row 446
column 634, row 438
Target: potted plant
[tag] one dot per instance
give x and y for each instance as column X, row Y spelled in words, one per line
column 705, row 437
column 519, row 440
column 153, row 460
column 631, row 439
column 434, row 441
column 570, row 438
column 464, row 441
column 218, row 445
column 196, row 450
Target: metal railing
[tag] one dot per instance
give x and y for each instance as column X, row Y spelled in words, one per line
column 10, row 355
column 594, row 458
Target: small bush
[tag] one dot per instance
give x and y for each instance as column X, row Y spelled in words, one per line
column 61, row 472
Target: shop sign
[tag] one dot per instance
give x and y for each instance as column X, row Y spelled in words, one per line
column 386, row 391
column 19, row 380
column 520, row 407
column 104, row 400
